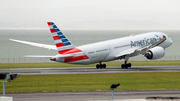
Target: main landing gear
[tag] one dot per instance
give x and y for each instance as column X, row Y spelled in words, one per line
column 100, row 66
column 126, row 66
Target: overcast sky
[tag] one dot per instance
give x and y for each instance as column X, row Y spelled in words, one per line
column 91, row 14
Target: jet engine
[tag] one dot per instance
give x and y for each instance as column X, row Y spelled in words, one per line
column 155, row 53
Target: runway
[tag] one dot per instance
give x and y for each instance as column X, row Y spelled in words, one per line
column 96, row 95
column 93, row 96
column 91, row 70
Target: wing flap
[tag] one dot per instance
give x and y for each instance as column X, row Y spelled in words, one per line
column 126, row 52
column 39, row 56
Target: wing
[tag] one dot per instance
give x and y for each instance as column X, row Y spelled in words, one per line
column 141, row 50
column 36, row 44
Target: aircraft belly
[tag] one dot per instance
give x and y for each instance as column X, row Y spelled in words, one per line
column 83, row 62
column 95, row 58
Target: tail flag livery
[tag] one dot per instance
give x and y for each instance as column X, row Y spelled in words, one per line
column 68, row 52
column 63, row 45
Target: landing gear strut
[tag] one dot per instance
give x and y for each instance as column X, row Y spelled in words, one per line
column 100, row 66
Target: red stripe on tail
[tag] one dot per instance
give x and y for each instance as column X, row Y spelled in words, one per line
column 69, row 51
column 56, row 37
column 52, row 30
column 59, row 44
column 63, row 51
column 49, row 23
column 73, row 50
column 77, row 58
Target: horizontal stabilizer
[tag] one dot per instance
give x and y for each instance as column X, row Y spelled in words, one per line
column 39, row 56
column 48, row 56
column 36, row 44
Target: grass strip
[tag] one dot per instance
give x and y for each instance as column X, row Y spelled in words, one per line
column 52, row 65
column 93, row 82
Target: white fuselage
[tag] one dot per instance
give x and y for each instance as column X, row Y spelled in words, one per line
column 106, row 50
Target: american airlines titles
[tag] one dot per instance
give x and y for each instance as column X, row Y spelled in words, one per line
column 143, row 42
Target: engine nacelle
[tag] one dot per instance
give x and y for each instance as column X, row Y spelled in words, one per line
column 155, row 53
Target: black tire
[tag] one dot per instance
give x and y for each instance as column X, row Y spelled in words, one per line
column 126, row 67
column 129, row 65
column 122, row 66
column 97, row 66
column 100, row 66
column 104, row 65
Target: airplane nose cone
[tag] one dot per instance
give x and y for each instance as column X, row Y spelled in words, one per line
column 170, row 41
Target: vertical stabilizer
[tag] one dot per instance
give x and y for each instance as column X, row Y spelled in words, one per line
column 63, row 45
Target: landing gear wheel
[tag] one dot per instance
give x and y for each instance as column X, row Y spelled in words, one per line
column 104, row 65
column 122, row 66
column 100, row 66
column 129, row 65
column 126, row 66
column 97, row 66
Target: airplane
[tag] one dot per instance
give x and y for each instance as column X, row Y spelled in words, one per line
column 152, row 45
